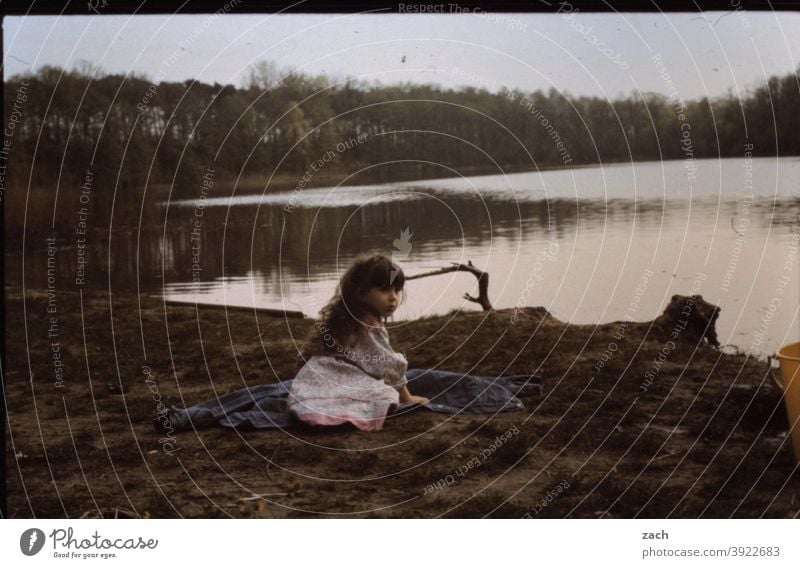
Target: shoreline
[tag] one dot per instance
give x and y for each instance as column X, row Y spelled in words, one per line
column 153, row 212
column 286, row 183
column 687, row 439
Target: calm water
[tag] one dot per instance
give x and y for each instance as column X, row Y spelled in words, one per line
column 590, row 244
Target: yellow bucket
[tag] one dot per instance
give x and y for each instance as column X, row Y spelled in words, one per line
column 789, row 358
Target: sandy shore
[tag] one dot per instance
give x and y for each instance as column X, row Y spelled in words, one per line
column 701, row 437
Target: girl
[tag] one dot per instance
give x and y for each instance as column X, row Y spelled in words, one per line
column 351, row 373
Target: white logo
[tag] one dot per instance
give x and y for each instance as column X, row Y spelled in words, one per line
column 403, row 246
column 31, row 542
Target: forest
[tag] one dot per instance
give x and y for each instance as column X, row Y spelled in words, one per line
column 108, row 143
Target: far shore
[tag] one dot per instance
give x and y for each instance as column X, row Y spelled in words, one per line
column 254, row 185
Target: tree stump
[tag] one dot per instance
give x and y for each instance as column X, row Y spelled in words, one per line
column 689, row 318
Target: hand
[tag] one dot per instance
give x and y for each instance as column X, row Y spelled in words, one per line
column 406, row 396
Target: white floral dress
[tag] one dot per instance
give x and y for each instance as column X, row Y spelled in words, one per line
column 359, row 386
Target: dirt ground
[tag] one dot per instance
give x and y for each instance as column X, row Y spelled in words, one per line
column 704, row 436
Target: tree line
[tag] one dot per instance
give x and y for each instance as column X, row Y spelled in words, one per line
column 141, row 141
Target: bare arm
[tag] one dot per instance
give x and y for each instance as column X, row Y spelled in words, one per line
column 406, row 396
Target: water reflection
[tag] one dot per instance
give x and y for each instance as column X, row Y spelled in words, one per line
column 268, row 254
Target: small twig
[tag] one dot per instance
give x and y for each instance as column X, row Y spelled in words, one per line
column 256, row 497
column 734, row 228
column 269, row 462
column 669, row 455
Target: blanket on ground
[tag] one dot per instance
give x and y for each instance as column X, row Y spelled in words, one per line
column 265, row 406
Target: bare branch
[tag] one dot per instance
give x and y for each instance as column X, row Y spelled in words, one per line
column 483, row 281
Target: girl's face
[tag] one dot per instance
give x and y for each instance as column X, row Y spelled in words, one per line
column 383, row 301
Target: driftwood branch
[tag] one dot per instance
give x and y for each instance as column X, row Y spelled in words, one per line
column 267, row 311
column 483, row 281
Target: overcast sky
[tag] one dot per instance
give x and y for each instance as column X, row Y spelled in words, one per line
column 607, row 55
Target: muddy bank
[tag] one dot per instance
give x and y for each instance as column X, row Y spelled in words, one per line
column 695, row 433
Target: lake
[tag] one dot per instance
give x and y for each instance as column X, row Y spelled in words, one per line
column 591, row 244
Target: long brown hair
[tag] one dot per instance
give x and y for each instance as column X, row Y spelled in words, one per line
column 341, row 320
